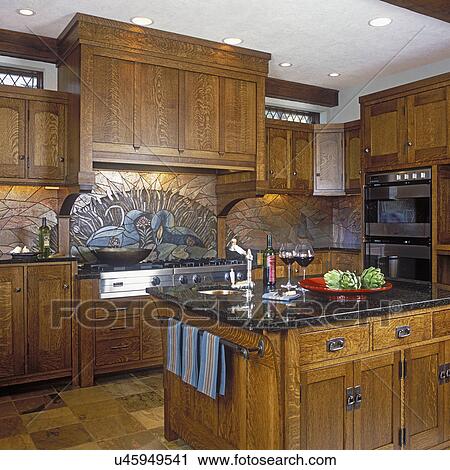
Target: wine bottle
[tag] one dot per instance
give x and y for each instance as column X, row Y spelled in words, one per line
column 269, row 266
column 44, row 239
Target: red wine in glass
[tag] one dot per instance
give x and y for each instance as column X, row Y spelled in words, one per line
column 304, row 261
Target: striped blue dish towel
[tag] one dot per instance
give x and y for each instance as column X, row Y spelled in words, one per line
column 189, row 357
column 173, row 358
column 212, row 366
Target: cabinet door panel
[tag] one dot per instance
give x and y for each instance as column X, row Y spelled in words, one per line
column 377, row 421
column 239, row 116
column 329, row 163
column 353, row 160
column 49, row 324
column 12, row 340
column 113, row 98
column 157, row 106
column 46, row 140
column 325, row 421
column 384, row 134
column 428, row 126
column 278, row 157
column 12, row 138
column 302, row 161
column 424, row 398
column 201, row 112
column 446, row 390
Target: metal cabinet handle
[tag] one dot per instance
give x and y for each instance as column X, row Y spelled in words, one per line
column 118, row 328
column 442, row 375
column 21, row 157
column 317, row 174
column 61, row 159
column 350, row 399
column 271, row 172
column 294, row 173
column 122, row 346
column 410, row 144
column 367, row 150
column 335, row 344
column 403, row 331
column 117, row 284
column 447, row 373
column 18, row 289
column 65, row 286
column 358, row 397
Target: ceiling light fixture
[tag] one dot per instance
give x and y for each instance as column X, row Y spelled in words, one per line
column 26, row 12
column 232, row 41
column 334, row 74
column 285, row 64
column 378, row 22
column 141, row 21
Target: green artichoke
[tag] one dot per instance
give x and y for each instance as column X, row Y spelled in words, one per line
column 372, row 278
column 333, row 279
column 350, row 280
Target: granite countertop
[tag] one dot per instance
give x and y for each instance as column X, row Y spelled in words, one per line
column 309, row 310
column 56, row 259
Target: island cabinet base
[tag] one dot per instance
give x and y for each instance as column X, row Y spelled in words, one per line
column 375, row 383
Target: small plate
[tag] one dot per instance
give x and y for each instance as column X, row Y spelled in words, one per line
column 25, row 256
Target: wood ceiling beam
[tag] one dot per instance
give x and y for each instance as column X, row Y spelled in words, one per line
column 27, row 46
column 439, row 9
column 293, row 91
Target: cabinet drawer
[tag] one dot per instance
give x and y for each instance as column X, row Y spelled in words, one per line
column 441, row 324
column 332, row 344
column 399, row 331
column 120, row 326
column 117, row 351
column 105, row 309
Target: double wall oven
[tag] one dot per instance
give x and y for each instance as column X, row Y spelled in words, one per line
column 397, row 223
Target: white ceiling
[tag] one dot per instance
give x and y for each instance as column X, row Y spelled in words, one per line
column 318, row 37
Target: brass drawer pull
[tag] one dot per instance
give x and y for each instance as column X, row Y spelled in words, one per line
column 122, row 346
column 118, row 328
column 117, row 309
column 403, row 331
column 335, row 344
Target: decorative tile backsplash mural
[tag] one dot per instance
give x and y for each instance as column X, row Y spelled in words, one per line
column 174, row 215
column 171, row 214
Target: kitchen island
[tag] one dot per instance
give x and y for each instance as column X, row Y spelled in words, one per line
column 317, row 373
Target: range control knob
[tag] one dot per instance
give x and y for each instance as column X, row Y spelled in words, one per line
column 239, row 276
column 183, row 279
column 156, row 281
column 197, row 279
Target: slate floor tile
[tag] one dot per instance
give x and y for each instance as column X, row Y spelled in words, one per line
column 98, row 410
column 151, row 418
column 85, row 395
column 140, row 440
column 113, row 426
column 7, row 408
column 141, row 401
column 40, row 403
column 61, row 438
column 17, row 442
column 49, row 419
column 11, row 426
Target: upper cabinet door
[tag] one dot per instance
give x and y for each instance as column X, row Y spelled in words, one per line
column 200, row 114
column 12, row 339
column 329, row 162
column 278, row 151
column 384, row 134
column 325, row 421
column 113, row 101
column 377, row 417
column 424, row 397
column 239, row 103
column 156, row 107
column 46, row 140
column 12, row 138
column 302, row 161
column 353, row 160
column 429, row 126
column 49, row 324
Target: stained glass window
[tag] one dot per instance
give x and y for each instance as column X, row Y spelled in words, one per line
column 292, row 115
column 21, row 77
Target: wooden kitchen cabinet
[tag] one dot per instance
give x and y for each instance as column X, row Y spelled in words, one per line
column 446, row 388
column 325, row 421
column 424, row 396
column 353, row 158
column 12, row 322
column 151, row 338
column 278, row 157
column 346, row 260
column 49, row 324
column 302, row 160
column 46, row 140
column 329, row 160
column 33, row 136
column 12, row 137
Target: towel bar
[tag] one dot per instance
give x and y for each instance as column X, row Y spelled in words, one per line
column 260, row 349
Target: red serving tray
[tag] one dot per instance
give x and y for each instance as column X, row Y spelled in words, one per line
column 317, row 284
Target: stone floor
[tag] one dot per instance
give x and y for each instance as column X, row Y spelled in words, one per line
column 120, row 412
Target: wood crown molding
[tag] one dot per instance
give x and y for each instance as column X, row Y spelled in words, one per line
column 101, row 32
column 439, row 9
column 28, row 46
column 293, row 91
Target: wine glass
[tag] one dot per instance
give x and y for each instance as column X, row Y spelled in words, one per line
column 304, row 254
column 287, row 256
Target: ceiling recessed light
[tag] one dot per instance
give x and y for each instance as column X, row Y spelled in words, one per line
column 377, row 22
column 232, row 41
column 334, row 74
column 285, row 64
column 141, row 21
column 26, row 12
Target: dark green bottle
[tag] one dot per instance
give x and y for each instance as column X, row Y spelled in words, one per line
column 269, row 266
column 44, row 239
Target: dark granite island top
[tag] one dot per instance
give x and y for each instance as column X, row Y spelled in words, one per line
column 308, row 310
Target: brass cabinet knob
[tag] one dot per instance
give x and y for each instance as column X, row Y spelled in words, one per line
column 18, row 289
column 367, row 150
column 294, row 173
column 65, row 286
column 21, row 157
column 410, row 144
column 271, row 172
column 61, row 159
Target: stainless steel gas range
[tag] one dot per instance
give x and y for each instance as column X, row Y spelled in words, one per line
column 131, row 281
